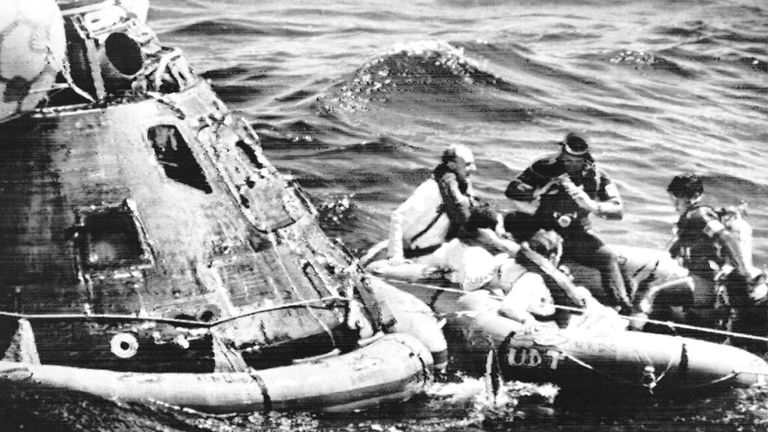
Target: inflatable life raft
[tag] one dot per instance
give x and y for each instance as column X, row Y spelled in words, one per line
column 662, row 288
column 150, row 251
column 593, row 353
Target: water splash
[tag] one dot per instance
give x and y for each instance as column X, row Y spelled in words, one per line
column 480, row 406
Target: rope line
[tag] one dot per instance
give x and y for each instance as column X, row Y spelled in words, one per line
column 670, row 324
column 172, row 321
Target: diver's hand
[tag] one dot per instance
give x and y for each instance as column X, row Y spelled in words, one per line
column 580, row 197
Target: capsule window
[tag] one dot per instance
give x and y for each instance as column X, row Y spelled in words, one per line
column 112, row 237
column 176, row 158
column 250, row 154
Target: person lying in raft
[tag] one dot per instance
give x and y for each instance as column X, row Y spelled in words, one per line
column 532, row 284
column 528, row 281
column 436, row 209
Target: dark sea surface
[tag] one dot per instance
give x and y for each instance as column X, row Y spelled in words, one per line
column 357, row 99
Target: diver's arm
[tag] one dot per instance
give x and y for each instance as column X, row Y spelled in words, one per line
column 528, row 185
column 612, row 209
column 608, row 204
column 611, row 206
column 519, row 191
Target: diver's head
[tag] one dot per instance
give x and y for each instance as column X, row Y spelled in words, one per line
column 574, row 154
column 548, row 244
column 459, row 159
column 685, row 190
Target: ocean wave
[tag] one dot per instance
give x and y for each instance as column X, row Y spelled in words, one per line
column 431, row 66
column 433, row 77
column 692, row 29
column 238, row 83
column 241, row 27
column 216, row 27
column 646, row 60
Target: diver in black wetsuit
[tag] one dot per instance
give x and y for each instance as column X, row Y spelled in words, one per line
column 704, row 245
column 570, row 188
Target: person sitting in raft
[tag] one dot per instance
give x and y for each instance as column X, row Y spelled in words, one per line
column 436, row 209
column 704, row 245
column 569, row 188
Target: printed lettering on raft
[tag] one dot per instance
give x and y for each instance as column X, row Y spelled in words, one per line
column 533, row 358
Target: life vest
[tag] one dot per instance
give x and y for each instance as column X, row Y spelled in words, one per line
column 442, row 221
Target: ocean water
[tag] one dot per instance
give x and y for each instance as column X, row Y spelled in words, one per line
column 357, row 99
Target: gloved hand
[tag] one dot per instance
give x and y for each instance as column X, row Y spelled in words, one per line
column 579, row 196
